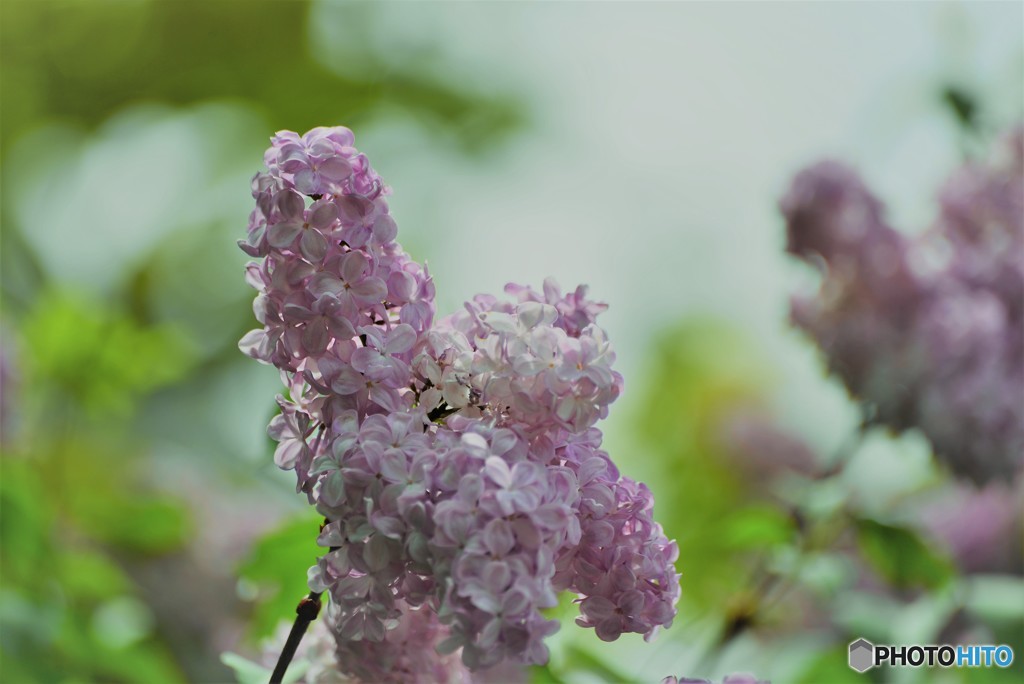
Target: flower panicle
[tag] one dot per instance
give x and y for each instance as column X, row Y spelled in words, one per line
column 455, row 459
column 927, row 331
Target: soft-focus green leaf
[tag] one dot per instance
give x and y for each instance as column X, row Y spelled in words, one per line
column 77, row 652
column 581, row 660
column 698, row 374
column 901, row 556
column 91, row 575
column 831, row 667
column 246, row 671
column 102, row 498
column 97, row 357
column 25, row 521
column 155, row 525
column 757, row 527
column 72, row 75
column 277, row 565
column 543, row 674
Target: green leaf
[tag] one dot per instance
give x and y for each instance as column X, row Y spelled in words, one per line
column 277, row 565
column 900, row 556
column 25, row 523
column 100, row 498
column 96, row 660
column 757, row 527
column 154, row 526
column 831, row 666
column 98, row 357
column 248, row 672
column 579, row 660
column 543, row 674
column 90, row 575
column 697, row 375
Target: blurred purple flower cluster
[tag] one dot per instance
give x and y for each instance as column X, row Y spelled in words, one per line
column 456, row 461
column 929, row 331
column 742, row 678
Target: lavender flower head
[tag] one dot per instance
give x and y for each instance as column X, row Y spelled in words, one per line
column 927, row 331
column 455, row 460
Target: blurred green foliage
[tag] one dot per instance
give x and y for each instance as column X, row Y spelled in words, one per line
column 700, row 374
column 901, row 556
column 831, row 667
column 84, row 60
column 97, row 359
column 74, row 507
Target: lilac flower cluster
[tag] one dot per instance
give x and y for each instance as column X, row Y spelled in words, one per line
column 927, row 331
column 456, row 461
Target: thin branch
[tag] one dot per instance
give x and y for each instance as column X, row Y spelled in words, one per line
column 305, row 613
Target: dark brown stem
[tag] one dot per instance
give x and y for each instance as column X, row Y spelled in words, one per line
column 306, row 612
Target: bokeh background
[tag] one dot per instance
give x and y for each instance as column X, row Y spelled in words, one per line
column 639, row 148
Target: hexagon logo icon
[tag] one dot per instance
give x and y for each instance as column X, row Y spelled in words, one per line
column 862, row 655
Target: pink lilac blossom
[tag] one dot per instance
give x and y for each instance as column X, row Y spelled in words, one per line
column 405, row 654
column 456, row 461
column 929, row 331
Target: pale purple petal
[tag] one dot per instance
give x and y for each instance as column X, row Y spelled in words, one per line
column 281, row 235
column 334, row 169
column 313, row 245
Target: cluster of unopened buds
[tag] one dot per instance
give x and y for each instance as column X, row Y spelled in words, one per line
column 455, row 461
column 927, row 331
